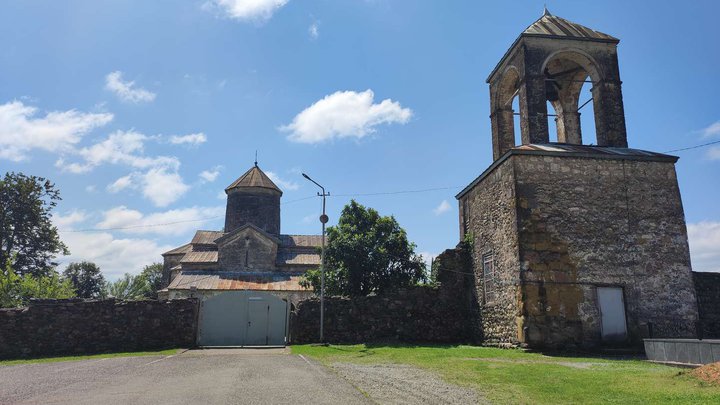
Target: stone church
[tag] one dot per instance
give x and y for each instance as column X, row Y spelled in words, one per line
column 249, row 254
column 573, row 244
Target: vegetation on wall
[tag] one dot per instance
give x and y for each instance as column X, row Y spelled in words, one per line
column 367, row 253
column 16, row 290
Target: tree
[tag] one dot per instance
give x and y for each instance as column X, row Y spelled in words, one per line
column 27, row 235
column 128, row 287
column 86, row 278
column 153, row 275
column 367, row 253
column 17, row 290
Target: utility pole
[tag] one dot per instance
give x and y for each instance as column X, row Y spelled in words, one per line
column 323, row 220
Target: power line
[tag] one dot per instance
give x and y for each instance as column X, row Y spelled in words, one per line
column 692, row 147
column 312, row 196
column 396, row 192
column 120, row 228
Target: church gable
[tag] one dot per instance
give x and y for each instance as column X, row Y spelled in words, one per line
column 247, row 249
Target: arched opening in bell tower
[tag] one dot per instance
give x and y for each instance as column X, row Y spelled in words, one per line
column 570, row 77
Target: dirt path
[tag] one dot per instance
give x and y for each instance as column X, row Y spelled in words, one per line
column 402, row 384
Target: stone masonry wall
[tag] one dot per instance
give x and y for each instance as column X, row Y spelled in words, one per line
column 488, row 215
column 591, row 222
column 707, row 286
column 66, row 327
column 420, row 314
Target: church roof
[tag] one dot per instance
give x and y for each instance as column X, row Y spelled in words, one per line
column 228, row 280
column 206, row 237
column 301, row 240
column 179, row 250
column 254, row 178
column 549, row 25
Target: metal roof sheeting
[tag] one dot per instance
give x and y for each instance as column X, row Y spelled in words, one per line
column 554, row 26
column 200, row 257
column 596, row 150
column 297, row 257
column 227, row 280
column 301, row 240
column 254, row 178
column 179, row 250
column 206, row 237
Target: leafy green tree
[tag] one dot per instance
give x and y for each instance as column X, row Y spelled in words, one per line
column 86, row 278
column 153, row 274
column 367, row 253
column 17, row 290
column 128, row 287
column 27, row 235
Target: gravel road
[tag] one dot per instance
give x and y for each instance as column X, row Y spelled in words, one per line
column 401, row 384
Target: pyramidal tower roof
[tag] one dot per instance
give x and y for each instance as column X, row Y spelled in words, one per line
column 254, row 178
column 549, row 25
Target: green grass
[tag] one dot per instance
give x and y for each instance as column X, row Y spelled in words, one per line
column 517, row 377
column 87, row 357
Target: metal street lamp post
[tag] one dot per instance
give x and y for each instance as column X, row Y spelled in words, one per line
column 323, row 221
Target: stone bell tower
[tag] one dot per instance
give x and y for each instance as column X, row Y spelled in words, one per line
column 573, row 245
column 551, row 61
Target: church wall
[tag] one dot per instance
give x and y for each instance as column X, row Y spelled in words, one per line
column 587, row 222
column 248, row 251
column 488, row 215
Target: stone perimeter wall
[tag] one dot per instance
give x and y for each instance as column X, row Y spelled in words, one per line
column 707, row 288
column 420, row 314
column 74, row 326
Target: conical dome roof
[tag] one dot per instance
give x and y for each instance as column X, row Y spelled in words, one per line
column 254, row 178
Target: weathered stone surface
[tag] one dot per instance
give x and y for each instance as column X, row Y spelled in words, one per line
column 253, row 205
column 57, row 327
column 421, row 314
column 561, row 226
column 707, row 286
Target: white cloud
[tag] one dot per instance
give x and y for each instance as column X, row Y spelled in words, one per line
column 442, row 208
column 120, row 184
column 283, row 184
column 172, row 222
column 190, row 139
column 713, row 153
column 115, row 257
column 163, row 187
column 160, row 186
column 314, row 30
column 57, row 131
column 73, row 217
column 126, row 90
column 221, row 195
column 344, row 114
column 120, row 147
column 712, row 130
column 246, row 10
column 704, row 238
column 210, row 175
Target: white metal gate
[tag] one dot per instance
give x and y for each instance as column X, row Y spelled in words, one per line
column 243, row 318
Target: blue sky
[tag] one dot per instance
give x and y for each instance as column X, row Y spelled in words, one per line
column 142, row 112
